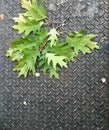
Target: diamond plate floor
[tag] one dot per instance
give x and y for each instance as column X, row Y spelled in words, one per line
column 80, row 99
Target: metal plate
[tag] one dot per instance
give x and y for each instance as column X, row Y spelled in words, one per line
column 80, row 99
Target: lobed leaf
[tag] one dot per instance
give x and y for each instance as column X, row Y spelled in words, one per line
column 81, row 42
column 26, row 25
column 33, row 10
column 48, row 68
column 53, row 37
column 27, row 63
column 26, row 51
column 62, row 49
column 38, row 47
column 52, row 58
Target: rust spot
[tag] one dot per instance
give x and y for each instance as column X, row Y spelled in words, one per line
column 1, row 16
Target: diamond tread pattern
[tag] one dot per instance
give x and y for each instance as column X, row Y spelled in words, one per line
column 79, row 100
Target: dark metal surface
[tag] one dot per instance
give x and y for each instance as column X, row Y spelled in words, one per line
column 80, row 99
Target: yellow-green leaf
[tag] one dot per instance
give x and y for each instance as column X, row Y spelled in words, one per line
column 53, row 37
column 56, row 60
column 81, row 42
column 26, row 25
column 33, row 10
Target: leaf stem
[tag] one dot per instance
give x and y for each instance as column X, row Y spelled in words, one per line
column 42, row 47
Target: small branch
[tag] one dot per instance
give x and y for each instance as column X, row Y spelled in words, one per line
column 42, row 47
column 50, row 21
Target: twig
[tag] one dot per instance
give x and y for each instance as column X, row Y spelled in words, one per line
column 50, row 21
column 42, row 47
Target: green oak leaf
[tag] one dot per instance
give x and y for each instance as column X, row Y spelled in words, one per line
column 53, row 37
column 48, row 68
column 62, row 49
column 27, row 62
column 14, row 55
column 81, row 42
column 56, row 60
column 34, row 10
column 40, row 48
column 26, row 25
column 26, row 52
column 53, row 72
